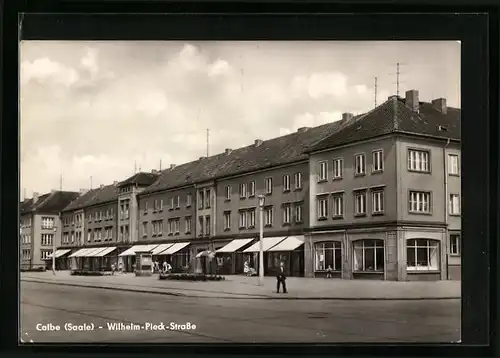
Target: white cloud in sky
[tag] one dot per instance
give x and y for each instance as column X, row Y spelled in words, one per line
column 95, row 108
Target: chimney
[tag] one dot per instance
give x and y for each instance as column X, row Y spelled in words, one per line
column 115, row 182
column 172, row 166
column 439, row 104
column 347, row 116
column 53, row 191
column 228, row 151
column 303, row 129
column 201, row 158
column 154, row 171
column 101, row 186
column 412, row 100
column 83, row 191
column 35, row 197
column 258, row 142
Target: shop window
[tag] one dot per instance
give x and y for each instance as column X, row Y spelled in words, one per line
column 328, row 254
column 422, row 255
column 368, row 256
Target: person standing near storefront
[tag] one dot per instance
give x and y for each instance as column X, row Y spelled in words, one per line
column 281, row 278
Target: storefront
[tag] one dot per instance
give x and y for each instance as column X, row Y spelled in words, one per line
column 103, row 259
column 62, row 261
column 230, row 257
column 179, row 257
column 251, row 254
column 160, row 259
column 127, row 259
column 289, row 251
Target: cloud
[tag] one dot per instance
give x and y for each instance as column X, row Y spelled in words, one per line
column 44, row 69
column 89, row 61
column 318, row 85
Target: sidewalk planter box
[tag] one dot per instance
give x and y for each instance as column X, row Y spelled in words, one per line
column 144, row 263
column 191, row 277
column 37, row 269
column 87, row 273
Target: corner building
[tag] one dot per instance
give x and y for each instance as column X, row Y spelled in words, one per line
column 385, row 194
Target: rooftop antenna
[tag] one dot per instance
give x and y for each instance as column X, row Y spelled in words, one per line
column 91, row 182
column 208, row 139
column 160, row 165
column 398, row 75
column 375, row 92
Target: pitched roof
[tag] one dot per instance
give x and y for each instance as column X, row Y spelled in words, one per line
column 394, row 116
column 141, row 179
column 50, row 203
column 277, row 151
column 94, row 197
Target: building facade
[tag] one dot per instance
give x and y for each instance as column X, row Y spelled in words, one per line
column 40, row 226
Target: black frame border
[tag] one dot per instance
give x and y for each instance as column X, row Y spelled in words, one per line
column 478, row 31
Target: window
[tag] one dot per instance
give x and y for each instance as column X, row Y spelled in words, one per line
column 328, row 254
column 360, row 164
column 155, row 205
column 242, row 220
column 251, row 189
column 228, row 192
column 227, row 220
column 207, row 199
column 269, row 185
column 48, row 223
column 112, row 213
column 454, row 244
column 322, row 207
column 338, row 168
column 298, row 214
column 243, row 191
column 286, row 182
column 287, row 213
column 251, row 218
column 201, row 225
column 378, row 161
column 188, row 224
column 360, row 203
column 268, row 213
column 47, row 239
column 418, row 160
column 89, row 236
column 298, row 181
column 44, row 254
column 177, row 202
column 157, row 227
column 144, row 229
column 171, row 227
column 452, row 164
column 161, row 205
column 368, row 256
column 145, row 208
column 189, row 199
column 172, row 203
column 422, row 255
column 89, row 217
column 377, row 201
column 177, row 226
column 72, row 237
column 207, row 225
column 454, row 204
column 338, row 205
column 106, row 234
column 419, row 202
column 322, row 171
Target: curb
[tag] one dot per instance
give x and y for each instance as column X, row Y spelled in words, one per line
column 249, row 297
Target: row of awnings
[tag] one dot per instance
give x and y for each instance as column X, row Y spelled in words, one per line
column 282, row 243
column 271, row 244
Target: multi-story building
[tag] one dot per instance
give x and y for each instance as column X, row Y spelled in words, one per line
column 40, row 226
column 385, row 194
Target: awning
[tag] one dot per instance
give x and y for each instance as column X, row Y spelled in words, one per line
column 93, row 251
column 234, row 245
column 174, row 248
column 161, row 248
column 205, row 253
column 289, row 244
column 138, row 248
column 59, row 253
column 268, row 243
column 79, row 253
column 106, row 251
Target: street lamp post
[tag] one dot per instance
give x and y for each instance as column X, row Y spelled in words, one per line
column 54, row 251
column 262, row 199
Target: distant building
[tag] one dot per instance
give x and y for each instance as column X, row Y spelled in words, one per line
column 40, row 226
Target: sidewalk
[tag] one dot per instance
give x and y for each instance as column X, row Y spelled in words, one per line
column 239, row 287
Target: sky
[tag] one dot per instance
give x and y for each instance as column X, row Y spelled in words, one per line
column 94, row 112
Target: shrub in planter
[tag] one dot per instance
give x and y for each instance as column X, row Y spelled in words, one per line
column 87, row 273
column 191, row 277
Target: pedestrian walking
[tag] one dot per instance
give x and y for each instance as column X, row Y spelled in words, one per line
column 120, row 267
column 329, row 272
column 281, row 278
column 113, row 269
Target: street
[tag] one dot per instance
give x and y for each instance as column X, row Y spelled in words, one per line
column 216, row 320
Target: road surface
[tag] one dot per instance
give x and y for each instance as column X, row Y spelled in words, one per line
column 47, row 307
